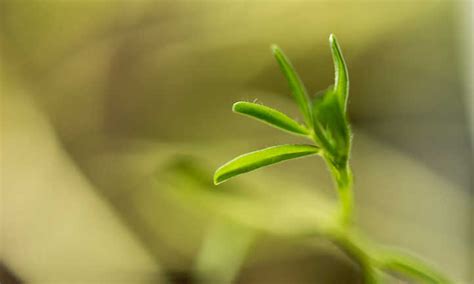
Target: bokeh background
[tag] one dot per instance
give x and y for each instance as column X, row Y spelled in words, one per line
column 116, row 113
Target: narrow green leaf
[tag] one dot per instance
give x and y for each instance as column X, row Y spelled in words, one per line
column 341, row 84
column 270, row 116
column 261, row 158
column 295, row 83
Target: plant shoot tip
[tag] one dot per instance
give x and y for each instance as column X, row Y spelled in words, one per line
column 274, row 48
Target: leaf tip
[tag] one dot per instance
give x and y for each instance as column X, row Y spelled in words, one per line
column 216, row 179
column 275, row 49
column 333, row 41
column 236, row 106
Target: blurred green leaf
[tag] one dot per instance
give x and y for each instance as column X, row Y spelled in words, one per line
column 295, row 83
column 408, row 265
column 247, row 203
column 223, row 251
column 270, row 116
column 261, row 158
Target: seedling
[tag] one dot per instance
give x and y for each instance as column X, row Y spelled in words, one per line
column 327, row 128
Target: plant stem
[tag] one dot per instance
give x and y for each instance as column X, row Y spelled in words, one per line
column 347, row 241
column 410, row 266
column 372, row 260
column 343, row 179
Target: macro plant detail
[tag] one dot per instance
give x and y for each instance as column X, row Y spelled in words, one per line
column 327, row 127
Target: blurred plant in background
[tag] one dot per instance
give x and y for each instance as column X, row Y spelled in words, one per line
column 95, row 93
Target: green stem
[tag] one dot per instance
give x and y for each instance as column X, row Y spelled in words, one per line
column 370, row 260
column 373, row 260
column 402, row 263
column 358, row 251
column 344, row 183
column 343, row 179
